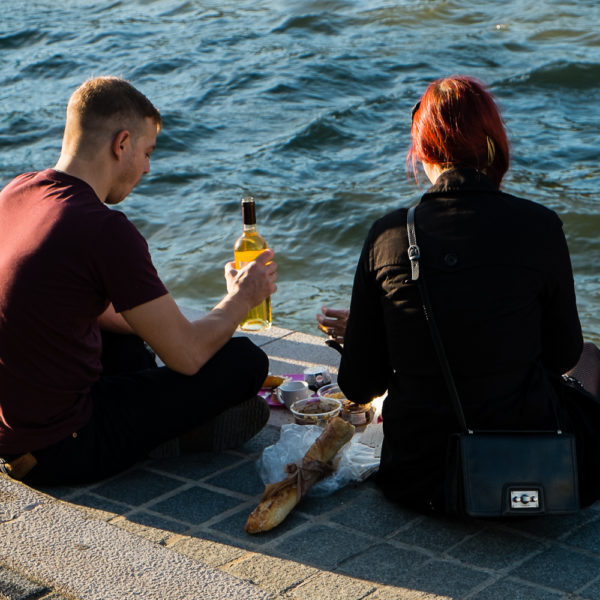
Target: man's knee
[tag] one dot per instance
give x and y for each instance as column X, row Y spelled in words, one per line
column 253, row 358
column 245, row 360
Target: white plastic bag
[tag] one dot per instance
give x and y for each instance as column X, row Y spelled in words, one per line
column 354, row 462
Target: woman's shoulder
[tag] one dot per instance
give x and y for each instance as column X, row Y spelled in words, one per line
column 387, row 239
column 530, row 209
column 393, row 222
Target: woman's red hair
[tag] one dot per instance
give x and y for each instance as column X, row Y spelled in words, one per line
column 457, row 123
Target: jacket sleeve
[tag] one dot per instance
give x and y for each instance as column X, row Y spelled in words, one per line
column 364, row 365
column 562, row 340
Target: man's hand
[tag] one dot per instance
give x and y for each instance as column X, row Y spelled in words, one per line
column 254, row 282
column 333, row 322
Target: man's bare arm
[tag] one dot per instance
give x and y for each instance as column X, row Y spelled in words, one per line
column 185, row 346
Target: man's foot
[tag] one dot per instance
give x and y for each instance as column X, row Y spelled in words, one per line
column 230, row 429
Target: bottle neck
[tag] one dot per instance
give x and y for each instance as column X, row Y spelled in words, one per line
column 248, row 213
column 249, row 228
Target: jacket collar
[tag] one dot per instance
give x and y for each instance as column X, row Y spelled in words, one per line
column 462, row 180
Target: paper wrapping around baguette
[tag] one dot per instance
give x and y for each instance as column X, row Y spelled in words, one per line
column 280, row 498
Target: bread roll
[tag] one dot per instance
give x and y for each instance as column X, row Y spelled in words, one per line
column 272, row 381
column 280, row 498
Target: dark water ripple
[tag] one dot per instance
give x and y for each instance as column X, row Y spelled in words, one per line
column 13, row 41
column 572, row 76
column 306, row 106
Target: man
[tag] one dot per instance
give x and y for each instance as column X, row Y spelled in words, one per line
column 74, row 273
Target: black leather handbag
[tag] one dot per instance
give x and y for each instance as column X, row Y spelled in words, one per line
column 500, row 473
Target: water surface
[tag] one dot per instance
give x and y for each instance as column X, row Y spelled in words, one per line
column 306, row 106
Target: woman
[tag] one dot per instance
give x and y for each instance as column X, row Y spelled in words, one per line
column 499, row 276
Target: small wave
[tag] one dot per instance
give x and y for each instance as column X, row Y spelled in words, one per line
column 283, row 89
column 20, row 39
column 180, row 9
column 56, row 66
column 321, row 23
column 558, row 35
column 318, row 135
column 19, row 141
column 216, row 88
column 560, row 74
column 162, row 67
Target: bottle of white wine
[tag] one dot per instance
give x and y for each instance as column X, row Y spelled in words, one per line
column 246, row 248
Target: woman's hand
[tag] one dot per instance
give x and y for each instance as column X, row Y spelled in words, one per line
column 333, row 322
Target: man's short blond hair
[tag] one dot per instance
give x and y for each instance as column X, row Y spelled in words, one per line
column 102, row 106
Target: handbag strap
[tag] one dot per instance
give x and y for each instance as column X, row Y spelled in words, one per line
column 414, row 254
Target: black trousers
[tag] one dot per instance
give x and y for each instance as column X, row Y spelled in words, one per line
column 137, row 406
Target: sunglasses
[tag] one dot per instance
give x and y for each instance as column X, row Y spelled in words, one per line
column 414, row 109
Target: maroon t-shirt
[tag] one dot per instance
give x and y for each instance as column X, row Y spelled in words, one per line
column 64, row 256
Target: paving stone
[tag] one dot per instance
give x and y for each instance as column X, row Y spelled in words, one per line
column 13, row 586
column 494, row 549
column 322, row 546
column 151, row 520
column 295, row 351
column 444, row 579
column 137, row 486
column 220, row 538
column 60, row 492
column 330, row 586
column 266, row 437
column 399, row 593
column 560, row 569
column 587, row 538
column 102, row 508
column 150, row 532
column 243, row 479
column 196, row 466
column 436, row 534
column 551, row 527
column 319, row 505
column 384, row 564
column 270, row 573
column 195, row 505
column 591, row 592
column 371, row 513
column 213, row 554
column 515, row 590
column 234, row 527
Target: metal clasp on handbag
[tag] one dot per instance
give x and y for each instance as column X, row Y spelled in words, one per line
column 523, row 499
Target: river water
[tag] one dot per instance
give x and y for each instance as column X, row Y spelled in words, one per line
column 305, row 105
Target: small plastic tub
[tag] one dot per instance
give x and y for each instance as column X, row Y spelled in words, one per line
column 315, row 411
column 331, row 391
column 357, row 414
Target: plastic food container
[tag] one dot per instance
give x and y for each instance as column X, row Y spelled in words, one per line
column 357, row 414
column 315, row 411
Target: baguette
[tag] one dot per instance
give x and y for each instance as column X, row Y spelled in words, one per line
column 279, row 499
